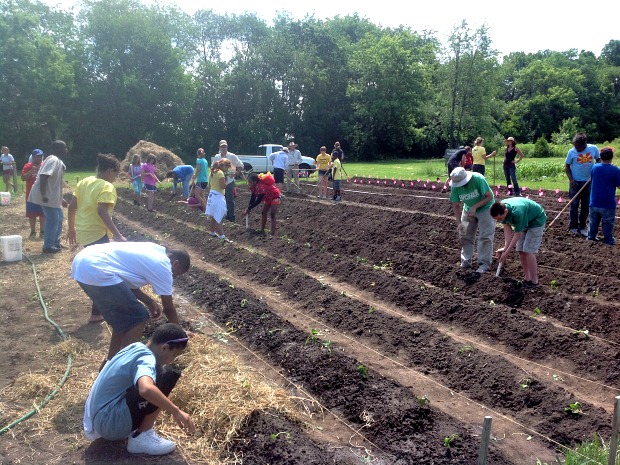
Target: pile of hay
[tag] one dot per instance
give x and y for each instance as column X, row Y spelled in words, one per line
column 166, row 160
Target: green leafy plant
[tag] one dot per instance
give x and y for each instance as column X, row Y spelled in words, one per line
column 553, row 284
column 536, row 312
column 384, row 265
column 574, row 408
column 455, row 290
column 372, row 309
column 423, row 401
column 327, row 345
column 449, row 441
column 362, row 370
column 466, row 349
column 582, row 333
column 275, row 436
column 359, row 260
column 525, row 383
column 314, row 336
column 557, row 378
column 595, row 293
column 243, row 303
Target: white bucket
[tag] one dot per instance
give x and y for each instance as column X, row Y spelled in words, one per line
column 5, row 198
column 11, row 248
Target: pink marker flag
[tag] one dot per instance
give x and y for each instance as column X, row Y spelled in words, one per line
column 418, row 179
column 402, row 184
column 354, row 181
column 369, row 181
column 412, row 186
column 560, row 199
column 618, row 201
column 524, row 188
column 377, row 181
column 527, row 196
column 385, row 182
column 428, row 180
column 541, row 194
column 509, row 186
column 424, row 185
column 434, row 186
column 557, row 191
column 496, row 193
column 499, row 186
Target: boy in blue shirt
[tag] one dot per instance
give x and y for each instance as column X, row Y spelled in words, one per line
column 181, row 174
column 578, row 166
column 605, row 180
column 131, row 389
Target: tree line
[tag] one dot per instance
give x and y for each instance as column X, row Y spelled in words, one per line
column 114, row 72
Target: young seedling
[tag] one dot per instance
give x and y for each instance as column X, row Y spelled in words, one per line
column 557, row 378
column 582, row 333
column 372, row 309
column 286, row 435
column 423, row 401
column 525, row 383
column 449, row 441
column 595, row 293
column 327, row 344
column 455, row 290
column 243, row 303
column 466, row 349
column 553, row 284
column 492, row 303
column 362, row 370
column 314, row 336
column 359, row 260
column 536, row 312
column 574, row 409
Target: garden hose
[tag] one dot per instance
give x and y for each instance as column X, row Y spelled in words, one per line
column 64, row 378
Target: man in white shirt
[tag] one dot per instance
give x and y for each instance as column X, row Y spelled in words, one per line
column 47, row 192
column 279, row 160
column 230, row 178
column 292, row 168
column 112, row 274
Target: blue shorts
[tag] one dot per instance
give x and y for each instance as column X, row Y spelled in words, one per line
column 148, row 187
column 120, row 308
column 202, row 185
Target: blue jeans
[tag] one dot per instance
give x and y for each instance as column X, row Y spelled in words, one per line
column 185, row 182
column 53, row 226
column 510, row 173
column 578, row 219
column 608, row 217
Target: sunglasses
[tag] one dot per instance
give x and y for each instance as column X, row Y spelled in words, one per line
column 183, row 339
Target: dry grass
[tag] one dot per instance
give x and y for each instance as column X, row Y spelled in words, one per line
column 166, row 160
column 215, row 389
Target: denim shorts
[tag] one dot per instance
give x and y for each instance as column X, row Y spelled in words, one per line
column 530, row 240
column 202, row 185
column 278, row 175
column 120, row 308
column 148, row 187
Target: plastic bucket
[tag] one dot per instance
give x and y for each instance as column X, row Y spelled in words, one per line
column 11, row 248
column 5, row 198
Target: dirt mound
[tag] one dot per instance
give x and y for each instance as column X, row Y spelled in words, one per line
column 166, row 160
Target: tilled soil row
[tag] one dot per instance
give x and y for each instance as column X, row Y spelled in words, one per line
column 539, row 406
column 453, row 301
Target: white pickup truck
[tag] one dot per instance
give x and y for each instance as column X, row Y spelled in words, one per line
column 260, row 162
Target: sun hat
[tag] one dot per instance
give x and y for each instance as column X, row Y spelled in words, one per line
column 511, row 139
column 223, row 142
column 459, row 176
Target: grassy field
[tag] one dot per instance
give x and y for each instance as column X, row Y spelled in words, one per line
column 532, row 173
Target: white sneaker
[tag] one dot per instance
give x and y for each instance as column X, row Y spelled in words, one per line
column 149, row 443
column 482, row 269
column 583, row 232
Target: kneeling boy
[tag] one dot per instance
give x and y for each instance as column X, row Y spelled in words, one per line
column 131, row 389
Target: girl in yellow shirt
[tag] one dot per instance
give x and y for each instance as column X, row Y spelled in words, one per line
column 216, row 202
column 323, row 161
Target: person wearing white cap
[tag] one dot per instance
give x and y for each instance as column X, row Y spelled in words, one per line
column 237, row 167
column 473, row 192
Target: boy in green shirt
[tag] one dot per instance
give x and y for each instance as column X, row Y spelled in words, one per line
column 528, row 220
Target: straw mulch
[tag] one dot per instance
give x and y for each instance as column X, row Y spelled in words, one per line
column 166, row 160
column 218, row 392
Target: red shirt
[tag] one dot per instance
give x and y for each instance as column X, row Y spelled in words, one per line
column 30, row 181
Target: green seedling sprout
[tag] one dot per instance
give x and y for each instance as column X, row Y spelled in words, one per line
column 574, row 408
column 423, row 401
column 450, row 440
column 243, row 303
column 466, row 349
column 553, row 284
column 362, row 370
column 525, row 383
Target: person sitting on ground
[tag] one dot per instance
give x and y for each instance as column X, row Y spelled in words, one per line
column 112, row 274
column 131, row 390
column 191, row 201
column 33, row 211
column 457, row 159
column 181, row 174
column 605, row 180
column 263, row 190
column 90, row 211
column 528, row 220
column 472, row 190
column 216, row 202
column 479, row 156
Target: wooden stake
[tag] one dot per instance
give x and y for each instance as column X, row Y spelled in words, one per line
column 484, row 443
column 613, row 442
column 576, row 196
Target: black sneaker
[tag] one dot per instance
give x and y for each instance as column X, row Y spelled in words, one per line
column 51, row 250
column 33, row 234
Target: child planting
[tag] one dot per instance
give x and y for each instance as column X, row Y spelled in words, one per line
column 528, row 220
column 132, row 388
column 150, row 180
column 263, row 189
column 216, row 202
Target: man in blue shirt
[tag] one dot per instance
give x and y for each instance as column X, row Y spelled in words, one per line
column 579, row 162
column 605, row 180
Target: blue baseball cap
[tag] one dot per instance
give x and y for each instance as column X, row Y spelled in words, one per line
column 37, row 152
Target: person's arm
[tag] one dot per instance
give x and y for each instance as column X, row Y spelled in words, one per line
column 71, row 236
column 169, row 310
column 150, row 392
column 223, row 182
column 458, row 211
column 492, row 154
column 254, row 201
column 103, row 212
column 520, row 155
column 510, row 241
column 151, row 304
column 488, row 197
column 43, row 186
column 569, row 175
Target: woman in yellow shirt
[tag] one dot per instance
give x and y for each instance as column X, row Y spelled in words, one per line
column 479, row 154
column 216, row 202
column 322, row 165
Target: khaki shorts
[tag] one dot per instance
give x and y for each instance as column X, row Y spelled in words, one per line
column 530, row 240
